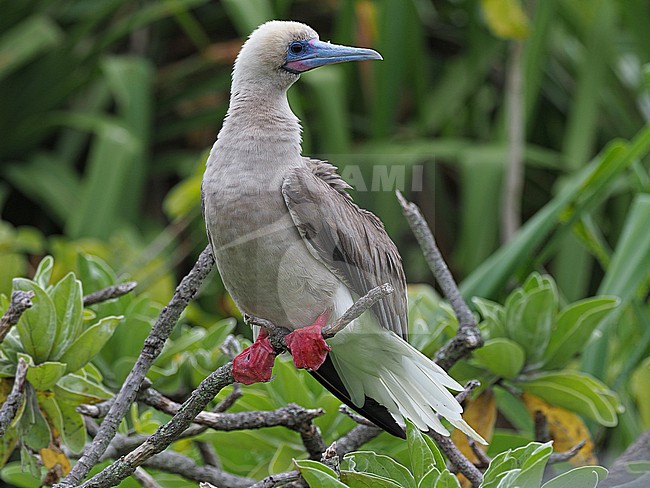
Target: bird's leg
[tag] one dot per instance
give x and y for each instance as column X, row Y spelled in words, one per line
column 255, row 363
column 307, row 345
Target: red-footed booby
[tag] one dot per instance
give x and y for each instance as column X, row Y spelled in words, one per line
column 293, row 248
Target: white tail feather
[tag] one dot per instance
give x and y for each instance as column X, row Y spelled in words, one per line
column 375, row 362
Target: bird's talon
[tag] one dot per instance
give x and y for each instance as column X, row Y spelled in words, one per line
column 255, row 363
column 307, row 346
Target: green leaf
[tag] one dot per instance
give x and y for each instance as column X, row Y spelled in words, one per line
column 74, row 431
column 447, row 480
column 13, row 475
column 499, row 467
column 37, row 326
column 34, row 431
column 503, row 357
column 354, row 479
column 44, row 376
column 380, row 465
column 640, row 389
column 26, row 40
column 430, row 478
column 578, row 392
column 67, row 297
column 530, row 314
column 94, row 273
column 88, row 344
column 421, row 456
column 532, row 459
column 48, row 405
column 582, row 477
column 317, row 474
column 574, row 326
column 76, row 389
column 44, row 272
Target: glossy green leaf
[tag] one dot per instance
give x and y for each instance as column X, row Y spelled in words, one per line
column 380, row 465
column 499, row 467
column 50, row 408
column 94, row 273
column 355, row 479
column 575, row 391
column 74, row 431
column 421, row 455
column 574, row 326
column 430, row 478
column 530, row 315
column 447, row 480
column 67, row 297
column 77, row 389
column 582, row 477
column 44, row 272
column 89, row 343
column 13, row 475
column 532, row 459
column 503, row 357
column 44, row 376
column 317, row 474
column 37, row 326
column 34, row 431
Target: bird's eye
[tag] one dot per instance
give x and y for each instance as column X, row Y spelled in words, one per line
column 296, row 47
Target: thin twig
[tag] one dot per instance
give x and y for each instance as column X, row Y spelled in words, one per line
column 560, row 457
column 481, row 456
column 276, row 480
column 15, row 399
column 153, row 345
column 456, row 458
column 356, row 438
column 355, row 311
column 109, row 293
column 470, row 386
column 208, row 454
column 20, row 301
column 468, row 336
column 292, row 416
column 145, row 479
column 359, row 419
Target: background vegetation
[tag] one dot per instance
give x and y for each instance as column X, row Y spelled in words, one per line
column 108, row 108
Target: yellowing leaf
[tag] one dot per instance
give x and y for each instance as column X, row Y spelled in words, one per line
column 51, row 456
column 566, row 429
column 481, row 414
column 506, row 18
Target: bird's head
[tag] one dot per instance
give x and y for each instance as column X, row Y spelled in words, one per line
column 278, row 51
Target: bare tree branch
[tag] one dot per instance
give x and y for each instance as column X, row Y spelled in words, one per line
column 361, row 305
column 277, row 480
column 153, row 345
column 560, row 457
column 109, row 293
column 145, row 479
column 468, row 336
column 359, row 419
column 15, row 399
column 457, row 458
column 20, row 301
column 356, row 438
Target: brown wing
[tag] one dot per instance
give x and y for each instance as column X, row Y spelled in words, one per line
column 349, row 240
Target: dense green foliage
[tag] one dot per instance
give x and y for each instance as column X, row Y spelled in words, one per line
column 108, row 109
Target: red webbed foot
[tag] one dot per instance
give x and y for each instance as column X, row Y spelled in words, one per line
column 255, row 363
column 307, row 345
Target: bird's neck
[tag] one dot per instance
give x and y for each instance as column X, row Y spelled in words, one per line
column 260, row 134
column 262, row 115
